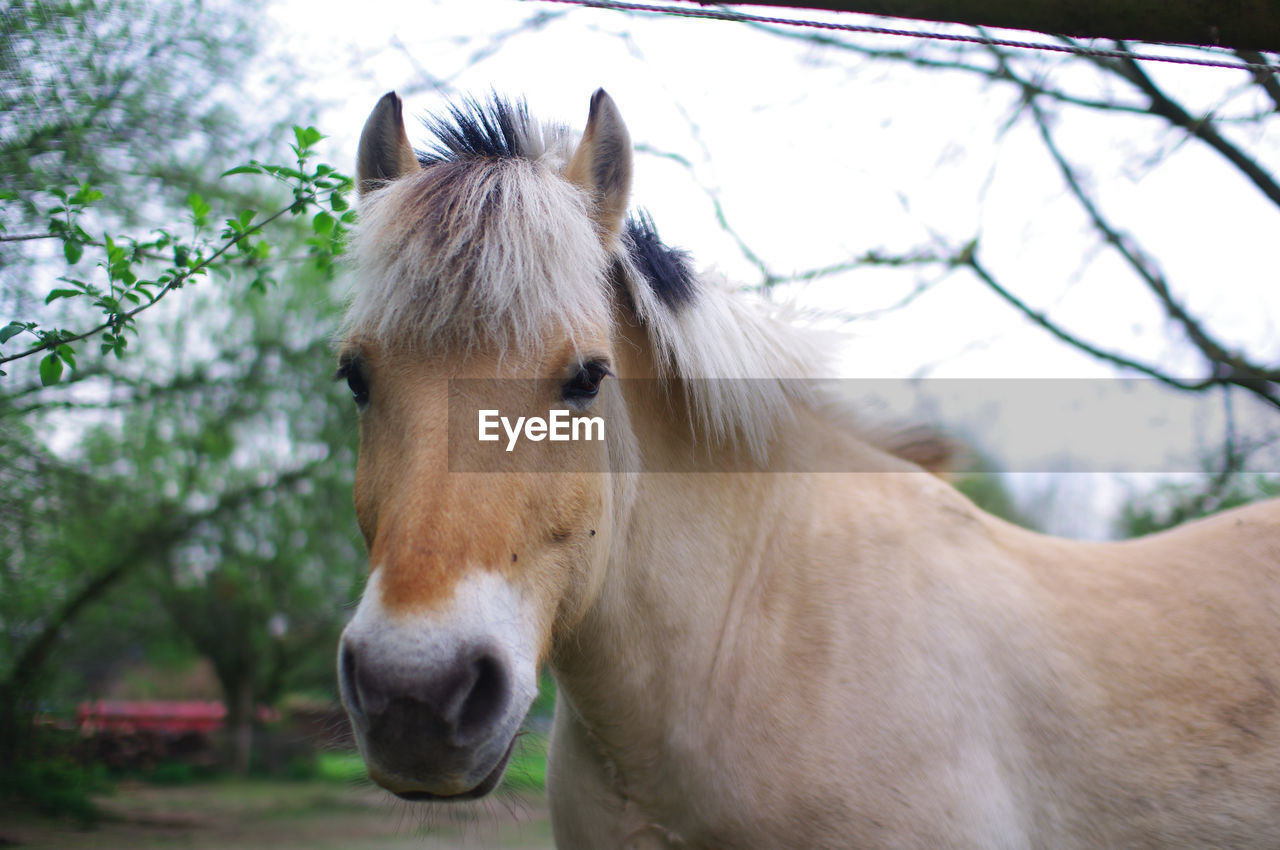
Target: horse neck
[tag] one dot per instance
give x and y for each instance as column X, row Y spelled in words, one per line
column 690, row 550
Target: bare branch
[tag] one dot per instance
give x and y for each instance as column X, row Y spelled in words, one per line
column 1259, row 386
column 1270, row 83
column 769, row 278
column 970, row 259
column 1227, row 367
column 1201, row 128
column 430, row 82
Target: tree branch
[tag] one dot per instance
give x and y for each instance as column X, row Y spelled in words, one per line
column 970, row 259
column 1270, row 83
column 1226, row 367
column 178, row 282
column 154, row 541
column 1201, row 128
column 1264, row 389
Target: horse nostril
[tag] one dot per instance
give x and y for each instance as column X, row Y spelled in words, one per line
column 460, row 703
column 347, row 678
column 364, row 687
column 481, row 700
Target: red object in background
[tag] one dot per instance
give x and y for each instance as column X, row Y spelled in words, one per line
column 169, row 717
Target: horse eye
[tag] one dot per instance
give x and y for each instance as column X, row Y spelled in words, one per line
column 579, row 390
column 359, row 387
column 354, row 375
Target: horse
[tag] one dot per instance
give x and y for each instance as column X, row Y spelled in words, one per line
column 767, row 629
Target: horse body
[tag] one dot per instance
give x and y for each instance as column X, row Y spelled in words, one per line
column 747, row 655
column 878, row 663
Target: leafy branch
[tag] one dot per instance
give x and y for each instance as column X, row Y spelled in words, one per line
column 128, row 293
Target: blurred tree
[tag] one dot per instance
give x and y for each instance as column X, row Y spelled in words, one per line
column 131, row 96
column 1175, row 502
column 208, row 470
column 260, row 593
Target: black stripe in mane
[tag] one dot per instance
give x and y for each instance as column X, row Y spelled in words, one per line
column 666, row 269
column 495, row 128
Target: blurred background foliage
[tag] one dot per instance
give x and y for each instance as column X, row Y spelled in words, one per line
column 191, row 500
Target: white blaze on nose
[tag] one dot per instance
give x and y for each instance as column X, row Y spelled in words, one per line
column 485, row 610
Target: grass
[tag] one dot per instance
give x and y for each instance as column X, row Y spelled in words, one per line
column 345, row 766
column 331, row 806
column 526, row 772
column 528, row 768
column 276, row 814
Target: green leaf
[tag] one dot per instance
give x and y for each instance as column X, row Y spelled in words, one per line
column 11, row 330
column 85, row 195
column 68, row 354
column 307, row 136
column 251, row 168
column 337, row 202
column 50, row 369
column 73, row 251
column 55, row 294
column 285, row 172
column 200, row 208
column 322, row 223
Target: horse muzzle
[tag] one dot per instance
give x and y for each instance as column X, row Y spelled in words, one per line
column 435, row 709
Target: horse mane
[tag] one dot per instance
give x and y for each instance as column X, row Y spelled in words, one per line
column 489, row 245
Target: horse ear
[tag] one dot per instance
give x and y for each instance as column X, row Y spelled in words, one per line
column 602, row 163
column 384, row 153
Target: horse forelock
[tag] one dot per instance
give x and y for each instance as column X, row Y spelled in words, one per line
column 495, row 129
column 477, row 252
